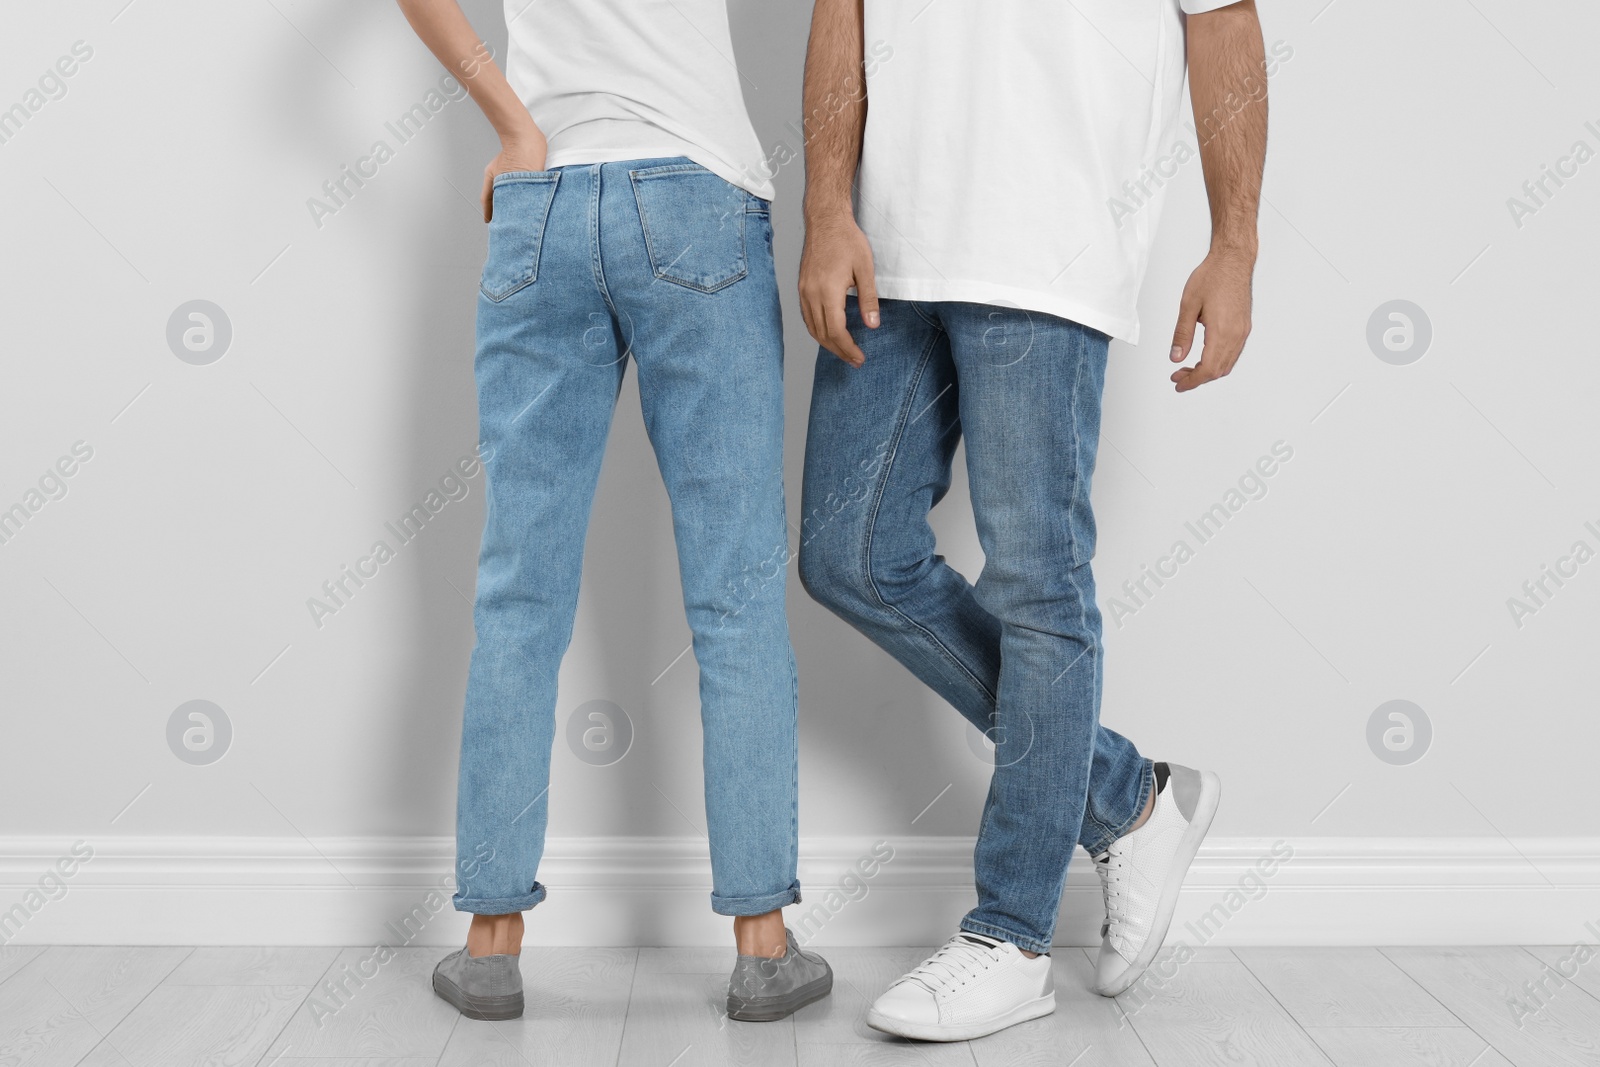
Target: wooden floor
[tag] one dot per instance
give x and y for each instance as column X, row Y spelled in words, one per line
column 650, row 1007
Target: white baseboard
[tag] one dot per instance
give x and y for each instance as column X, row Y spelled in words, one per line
column 654, row 891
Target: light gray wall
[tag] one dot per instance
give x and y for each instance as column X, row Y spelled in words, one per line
column 178, row 165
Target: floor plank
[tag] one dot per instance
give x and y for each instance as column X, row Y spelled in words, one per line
column 354, row 1012
column 834, row 1030
column 1087, row 1030
column 1215, row 1013
column 1343, row 987
column 1579, row 964
column 1452, row 1046
column 577, row 1002
column 253, row 966
column 891, row 1052
column 1558, row 1027
column 218, row 1026
column 15, row 957
column 1418, row 1007
column 59, row 1007
column 860, row 975
column 677, row 1015
column 1196, row 953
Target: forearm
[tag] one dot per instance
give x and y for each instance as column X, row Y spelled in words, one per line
column 450, row 37
column 1227, row 81
column 835, row 102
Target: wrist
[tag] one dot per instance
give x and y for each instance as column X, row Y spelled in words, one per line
column 1243, row 247
column 828, row 211
column 521, row 133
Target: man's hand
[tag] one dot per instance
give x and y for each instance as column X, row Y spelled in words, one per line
column 1227, row 82
column 836, row 257
column 1217, row 296
column 528, row 153
column 837, row 254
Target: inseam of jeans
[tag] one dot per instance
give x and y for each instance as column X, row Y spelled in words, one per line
column 872, row 523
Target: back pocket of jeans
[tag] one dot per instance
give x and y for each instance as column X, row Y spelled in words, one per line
column 693, row 225
column 521, row 206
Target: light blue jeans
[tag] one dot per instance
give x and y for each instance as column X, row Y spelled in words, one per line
column 1018, row 653
column 664, row 262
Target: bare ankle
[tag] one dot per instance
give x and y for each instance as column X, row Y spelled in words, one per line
column 1144, row 816
column 761, row 935
column 495, row 935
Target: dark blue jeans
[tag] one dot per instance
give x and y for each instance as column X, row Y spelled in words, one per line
column 1019, row 652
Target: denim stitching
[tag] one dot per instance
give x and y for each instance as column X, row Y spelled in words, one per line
column 634, row 177
column 668, row 168
column 1094, row 650
column 1077, row 459
column 594, row 247
column 508, row 176
column 794, row 808
column 550, row 178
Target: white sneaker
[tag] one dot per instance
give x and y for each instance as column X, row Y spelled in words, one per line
column 972, row 986
column 1142, row 872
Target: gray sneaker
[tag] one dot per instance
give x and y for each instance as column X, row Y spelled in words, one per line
column 480, row 987
column 764, row 990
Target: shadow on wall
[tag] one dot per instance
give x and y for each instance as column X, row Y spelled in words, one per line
column 414, row 755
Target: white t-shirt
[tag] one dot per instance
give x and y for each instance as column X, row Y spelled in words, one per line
column 635, row 79
column 999, row 137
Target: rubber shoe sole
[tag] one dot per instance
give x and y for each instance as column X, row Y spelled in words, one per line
column 1033, row 1009
column 771, row 1009
column 1205, row 811
column 488, row 1009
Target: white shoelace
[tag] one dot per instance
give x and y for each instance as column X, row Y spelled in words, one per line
column 1113, row 872
column 957, row 959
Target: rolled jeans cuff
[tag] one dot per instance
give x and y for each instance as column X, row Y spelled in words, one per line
column 755, row 905
column 499, row 905
column 1026, row 943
